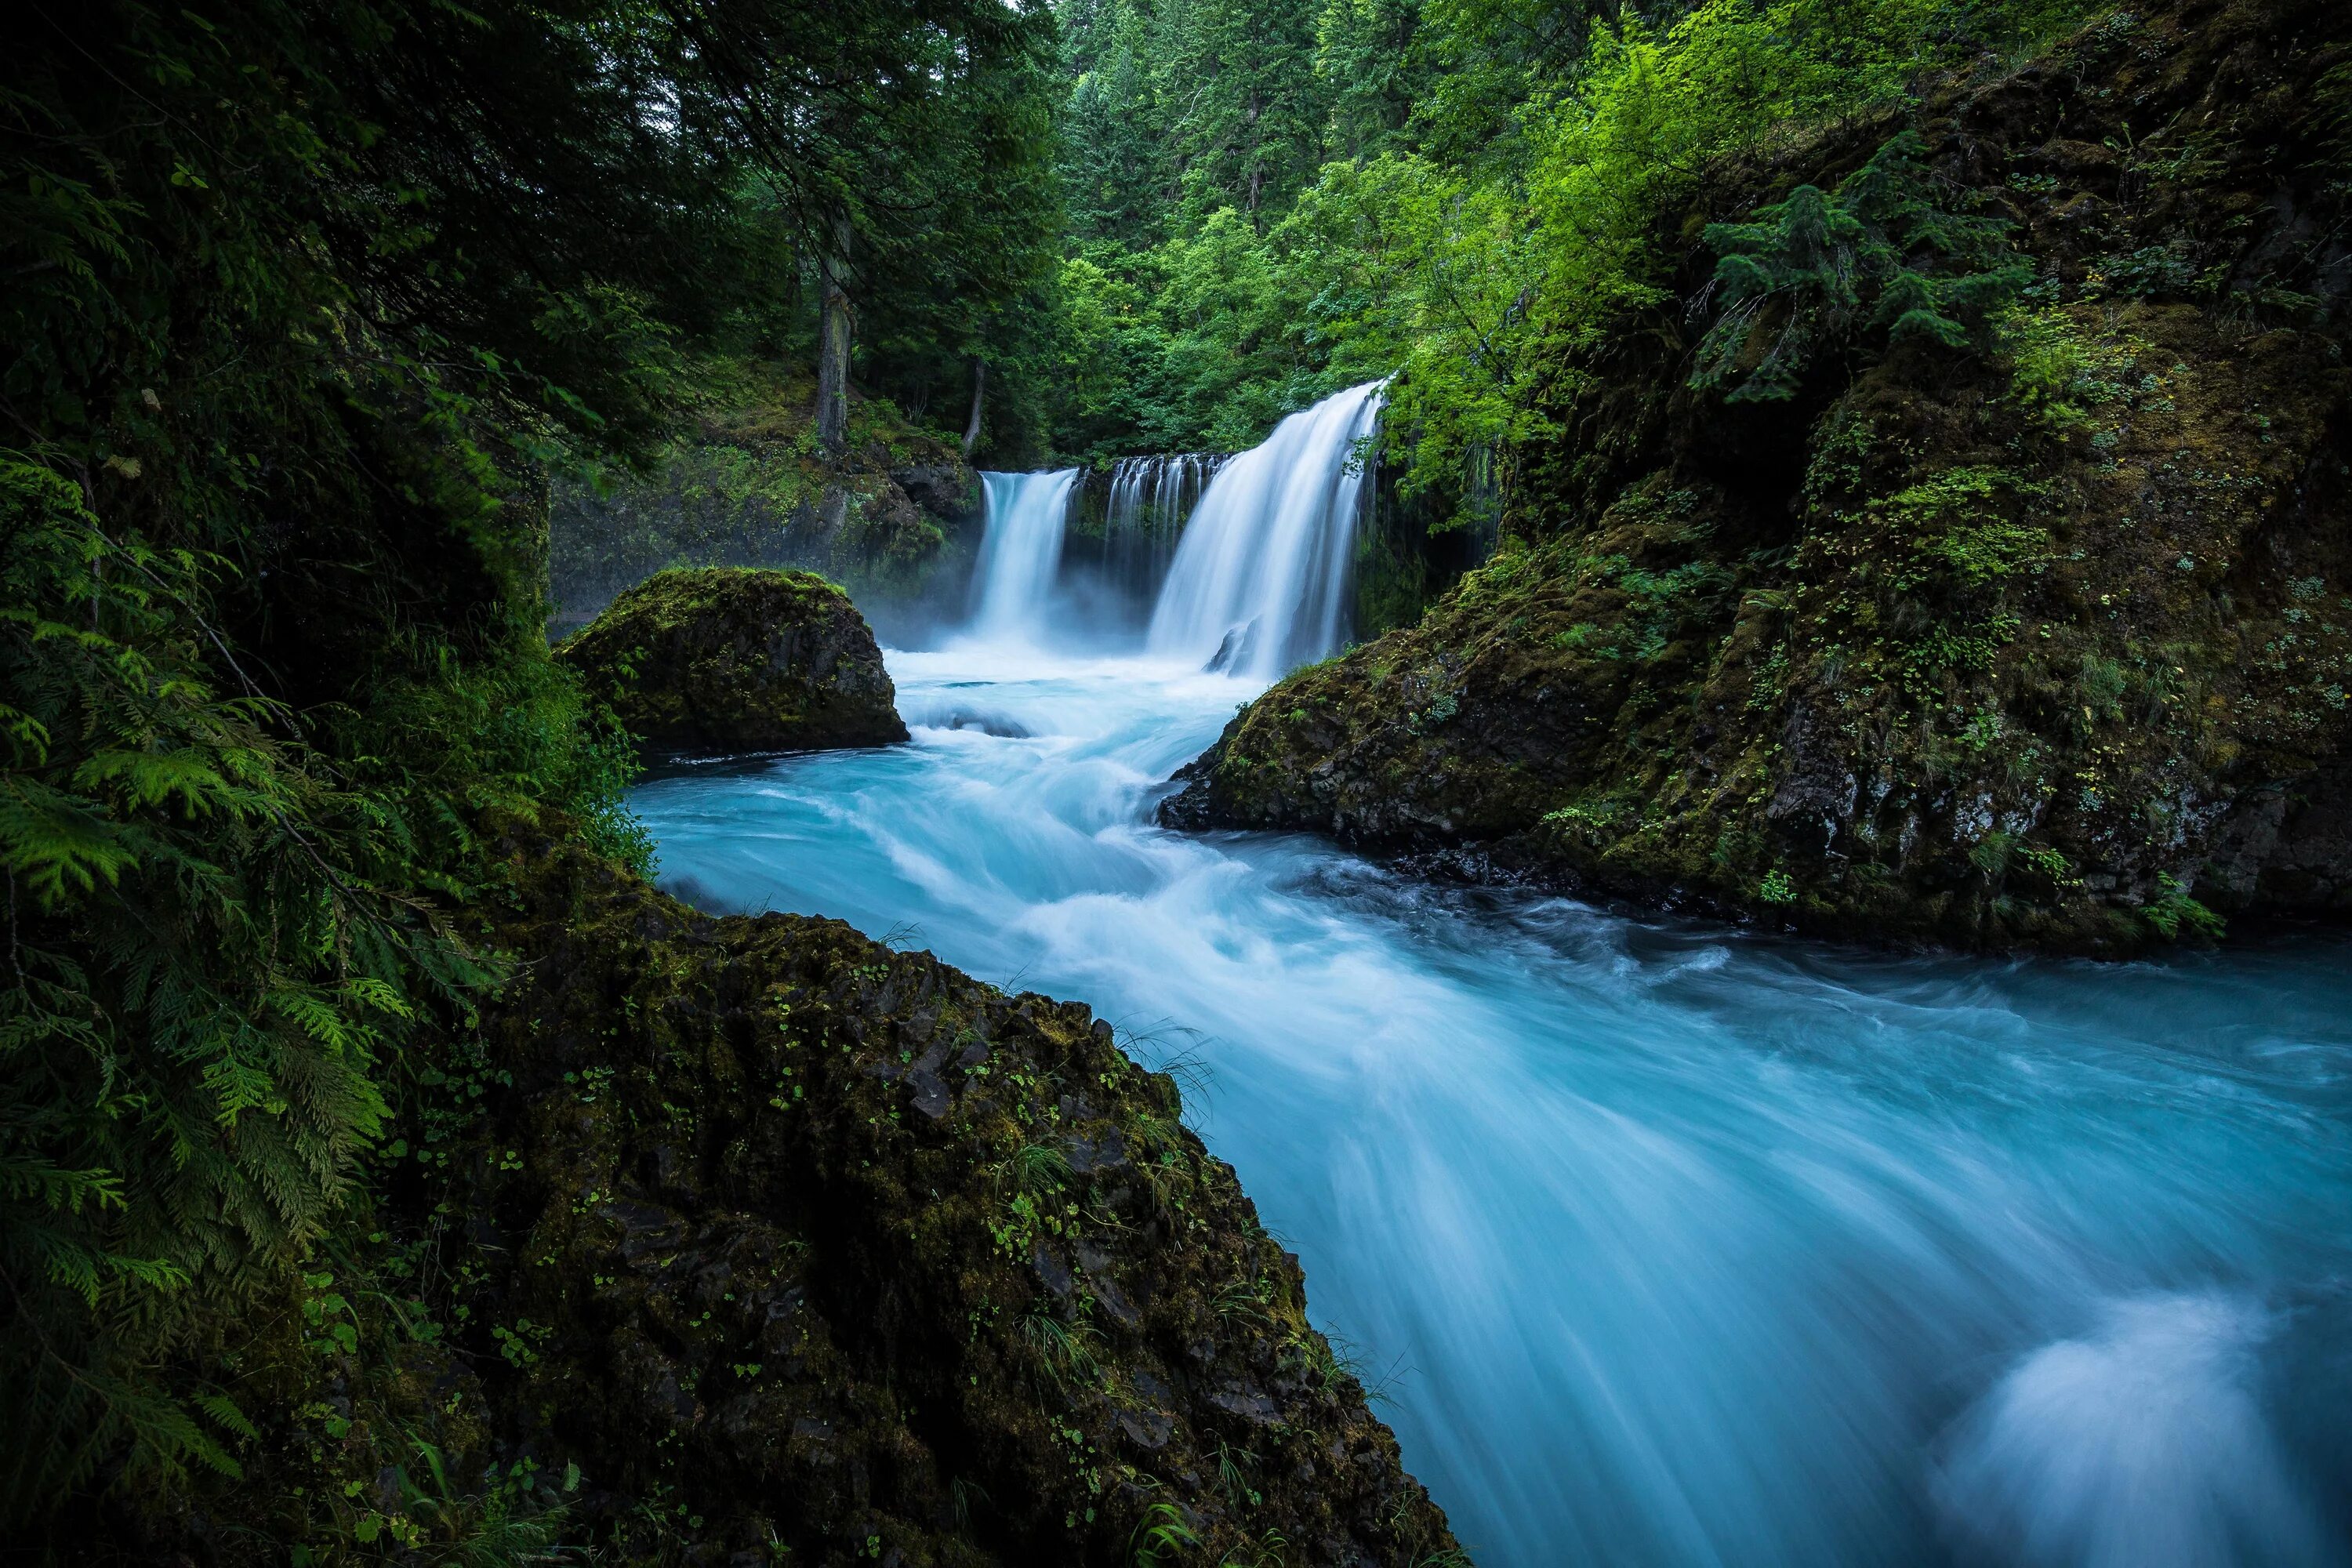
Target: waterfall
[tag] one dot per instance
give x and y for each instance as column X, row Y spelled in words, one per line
column 1260, row 577
column 1020, row 551
column 1149, row 499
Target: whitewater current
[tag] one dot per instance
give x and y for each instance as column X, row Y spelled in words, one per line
column 1665, row 1244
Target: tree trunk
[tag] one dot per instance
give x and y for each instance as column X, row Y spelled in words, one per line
column 835, row 320
column 971, row 428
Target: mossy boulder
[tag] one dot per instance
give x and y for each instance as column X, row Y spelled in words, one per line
column 808, row 1244
column 750, row 1240
column 738, row 659
column 2038, row 639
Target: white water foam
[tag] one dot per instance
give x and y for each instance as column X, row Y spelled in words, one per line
column 2141, row 1444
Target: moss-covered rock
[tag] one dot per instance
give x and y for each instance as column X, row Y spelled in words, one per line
column 2038, row 639
column 804, row 1244
column 744, row 1241
column 737, row 660
column 895, row 514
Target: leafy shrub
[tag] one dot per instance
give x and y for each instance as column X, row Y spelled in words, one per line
column 215, row 943
column 2059, row 373
column 1814, row 272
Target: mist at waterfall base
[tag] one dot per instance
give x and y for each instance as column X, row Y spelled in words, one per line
column 1666, row 1243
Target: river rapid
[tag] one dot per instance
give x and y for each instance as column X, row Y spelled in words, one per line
column 1666, row 1243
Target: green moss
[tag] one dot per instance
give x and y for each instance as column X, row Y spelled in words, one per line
column 1989, row 644
column 818, row 1239
column 720, row 658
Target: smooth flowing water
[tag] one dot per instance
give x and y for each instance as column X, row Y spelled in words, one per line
column 1021, row 551
column 1259, row 582
column 1670, row 1244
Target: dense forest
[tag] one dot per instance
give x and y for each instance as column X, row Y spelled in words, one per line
column 311, row 308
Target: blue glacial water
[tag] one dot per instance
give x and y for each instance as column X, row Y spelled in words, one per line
column 1669, row 1244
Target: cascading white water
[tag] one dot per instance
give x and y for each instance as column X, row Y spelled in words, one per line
column 1259, row 580
column 1020, row 552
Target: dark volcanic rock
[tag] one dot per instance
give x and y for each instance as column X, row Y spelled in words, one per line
column 738, row 659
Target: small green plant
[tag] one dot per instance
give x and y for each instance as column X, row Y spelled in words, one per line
column 1161, row 1537
column 1952, row 531
column 2045, row 861
column 2059, row 373
column 1268, row 1551
column 1992, row 853
column 1440, row 710
column 2102, row 686
column 1584, row 816
column 1241, row 1300
column 2174, row 912
column 1040, row 1170
column 1235, row 1479
column 1777, row 888
column 1065, row 1349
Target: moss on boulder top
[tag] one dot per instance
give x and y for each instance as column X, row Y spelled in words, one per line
column 739, row 658
column 2038, row 635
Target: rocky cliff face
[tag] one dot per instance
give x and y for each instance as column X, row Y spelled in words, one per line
column 738, row 660
column 895, row 516
column 2039, row 634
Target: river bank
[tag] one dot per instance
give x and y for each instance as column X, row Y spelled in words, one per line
column 1668, row 1244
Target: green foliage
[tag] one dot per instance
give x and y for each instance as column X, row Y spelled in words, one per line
column 1882, row 254
column 1161, row 1537
column 289, row 355
column 1954, row 532
column 2060, row 372
column 215, row 943
column 1500, row 184
column 2173, row 912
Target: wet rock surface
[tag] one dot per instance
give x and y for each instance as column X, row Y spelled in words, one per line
column 734, row 659
column 2043, row 642
column 827, row 1247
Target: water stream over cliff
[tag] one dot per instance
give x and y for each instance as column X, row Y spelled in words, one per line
column 1259, row 580
column 1013, row 578
column 1670, row 1244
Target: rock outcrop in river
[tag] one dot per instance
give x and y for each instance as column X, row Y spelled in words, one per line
column 792, row 1243
column 1960, row 552
column 738, row 659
